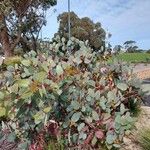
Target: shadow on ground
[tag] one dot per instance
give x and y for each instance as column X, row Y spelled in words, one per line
column 146, row 98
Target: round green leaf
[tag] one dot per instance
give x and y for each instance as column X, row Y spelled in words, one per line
column 94, row 141
column 91, row 92
column 122, row 109
column 97, row 95
column 26, row 95
column 1, row 95
column 82, row 135
column 40, row 76
column 59, row 70
column 26, row 62
column 10, row 68
column 23, row 82
column 122, row 86
column 11, row 137
column 110, row 138
column 111, row 96
column 102, row 103
column 47, row 109
column 23, row 146
column 80, row 126
column 76, row 116
column 2, row 111
column 38, row 117
column 75, row 105
column 95, row 115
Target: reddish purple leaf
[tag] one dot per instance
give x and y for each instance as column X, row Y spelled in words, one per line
column 89, row 138
column 99, row 134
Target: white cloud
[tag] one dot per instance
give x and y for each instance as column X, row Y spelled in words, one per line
column 132, row 24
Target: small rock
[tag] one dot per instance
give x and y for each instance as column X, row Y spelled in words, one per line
column 126, row 141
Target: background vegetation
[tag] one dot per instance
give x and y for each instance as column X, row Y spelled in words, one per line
column 133, row 57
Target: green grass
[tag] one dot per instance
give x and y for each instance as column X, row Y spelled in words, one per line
column 144, row 139
column 55, row 145
column 134, row 57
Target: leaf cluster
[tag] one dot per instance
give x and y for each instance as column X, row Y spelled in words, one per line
column 74, row 97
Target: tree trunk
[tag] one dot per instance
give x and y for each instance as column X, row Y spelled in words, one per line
column 34, row 44
column 5, row 43
column 24, row 44
column 4, row 38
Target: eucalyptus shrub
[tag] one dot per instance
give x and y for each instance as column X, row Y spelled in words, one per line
column 63, row 46
column 73, row 98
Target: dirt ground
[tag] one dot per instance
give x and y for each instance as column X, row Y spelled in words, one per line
column 141, row 67
column 131, row 141
column 143, row 122
column 142, row 70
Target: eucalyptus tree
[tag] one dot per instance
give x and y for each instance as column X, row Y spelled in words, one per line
column 130, row 46
column 117, row 49
column 21, row 22
column 82, row 28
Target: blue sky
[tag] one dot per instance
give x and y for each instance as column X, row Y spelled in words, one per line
column 124, row 19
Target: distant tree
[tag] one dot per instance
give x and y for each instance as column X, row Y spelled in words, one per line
column 148, row 51
column 140, row 50
column 130, row 46
column 117, row 49
column 21, row 22
column 109, row 48
column 83, row 29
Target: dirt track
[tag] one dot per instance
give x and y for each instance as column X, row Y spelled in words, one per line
column 142, row 71
column 141, row 67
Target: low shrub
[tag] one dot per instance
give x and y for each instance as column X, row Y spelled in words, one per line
column 74, row 99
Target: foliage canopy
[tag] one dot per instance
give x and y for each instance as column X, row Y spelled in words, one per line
column 21, row 22
column 82, row 29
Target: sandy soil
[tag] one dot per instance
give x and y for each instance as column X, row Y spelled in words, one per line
column 142, row 71
column 131, row 141
column 141, row 67
column 143, row 122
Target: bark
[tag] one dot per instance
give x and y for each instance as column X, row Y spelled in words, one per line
column 4, row 37
column 34, row 44
column 22, row 6
column 7, row 46
column 25, row 44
